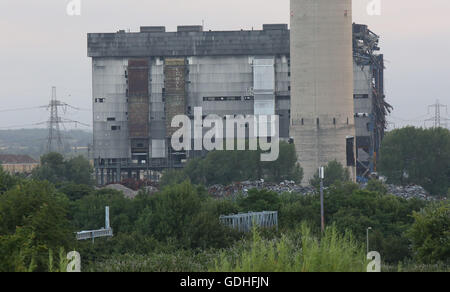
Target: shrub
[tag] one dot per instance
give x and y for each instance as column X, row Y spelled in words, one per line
column 430, row 234
column 332, row 253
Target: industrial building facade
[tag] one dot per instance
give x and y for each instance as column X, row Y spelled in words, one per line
column 142, row 80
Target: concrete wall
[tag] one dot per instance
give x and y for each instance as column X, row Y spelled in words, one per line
column 322, row 82
column 226, row 76
column 110, row 102
column 363, row 99
column 175, row 44
column 222, row 85
column 157, row 114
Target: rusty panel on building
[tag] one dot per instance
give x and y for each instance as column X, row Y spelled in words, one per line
column 175, row 90
column 138, row 98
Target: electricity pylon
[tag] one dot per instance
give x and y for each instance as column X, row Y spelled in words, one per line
column 55, row 139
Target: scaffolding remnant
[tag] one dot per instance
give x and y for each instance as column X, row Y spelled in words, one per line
column 244, row 222
column 92, row 234
column 365, row 48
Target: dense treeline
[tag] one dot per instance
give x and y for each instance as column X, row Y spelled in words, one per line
column 178, row 229
column 225, row 167
column 55, row 169
column 418, row 156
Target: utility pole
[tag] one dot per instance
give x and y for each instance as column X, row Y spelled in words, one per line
column 438, row 119
column 322, row 209
column 54, row 140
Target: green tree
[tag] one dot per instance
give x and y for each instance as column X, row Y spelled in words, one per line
column 7, row 181
column 430, row 234
column 418, row 156
column 170, row 213
column 186, row 216
column 225, row 167
column 206, row 230
column 52, row 168
column 89, row 212
column 334, row 172
column 18, row 252
column 75, row 191
column 58, row 171
column 78, row 170
column 377, row 186
column 285, row 167
column 172, row 177
column 259, row 200
column 353, row 209
column 35, row 215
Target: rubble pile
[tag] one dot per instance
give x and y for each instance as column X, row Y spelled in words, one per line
column 128, row 193
column 220, row 191
column 233, row 190
column 409, row 192
column 151, row 190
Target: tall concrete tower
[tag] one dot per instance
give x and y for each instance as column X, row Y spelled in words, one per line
column 322, row 109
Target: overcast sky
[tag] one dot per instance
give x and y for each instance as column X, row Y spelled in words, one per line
column 41, row 46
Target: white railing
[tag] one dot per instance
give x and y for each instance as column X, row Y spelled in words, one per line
column 84, row 235
column 244, row 222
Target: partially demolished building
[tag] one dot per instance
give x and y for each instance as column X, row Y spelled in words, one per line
column 371, row 108
column 142, row 80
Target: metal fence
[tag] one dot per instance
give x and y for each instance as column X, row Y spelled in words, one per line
column 84, row 235
column 244, row 222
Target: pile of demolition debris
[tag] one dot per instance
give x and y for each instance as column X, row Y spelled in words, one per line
column 410, row 192
column 129, row 193
column 220, row 191
column 407, row 192
column 233, row 190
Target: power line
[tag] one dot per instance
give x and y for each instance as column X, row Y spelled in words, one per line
column 55, row 122
column 417, row 119
column 44, row 107
column 438, row 119
column 56, row 104
column 78, row 108
column 21, row 109
column 65, row 120
column 26, row 125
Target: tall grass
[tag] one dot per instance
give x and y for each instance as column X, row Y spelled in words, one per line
column 178, row 261
column 62, row 265
column 331, row 253
column 298, row 251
